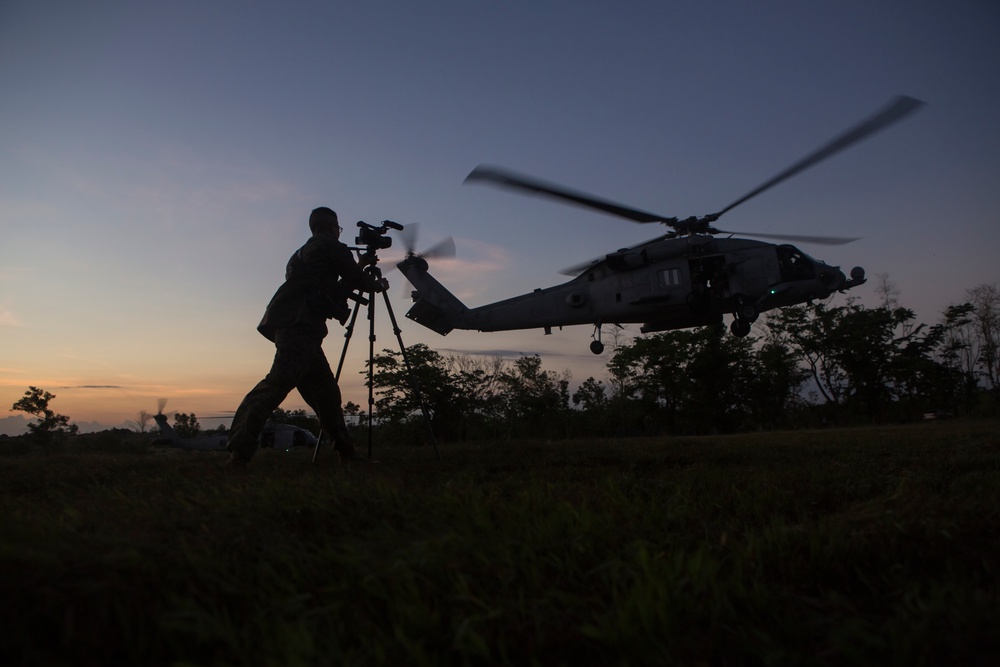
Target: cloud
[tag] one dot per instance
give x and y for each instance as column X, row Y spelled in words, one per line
column 14, row 425
column 9, row 319
column 94, row 386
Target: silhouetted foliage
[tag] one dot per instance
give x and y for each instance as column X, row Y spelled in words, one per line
column 50, row 425
column 141, row 421
column 186, row 425
column 859, row 365
column 297, row 418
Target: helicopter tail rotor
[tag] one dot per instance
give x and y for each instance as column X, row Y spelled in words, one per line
column 444, row 249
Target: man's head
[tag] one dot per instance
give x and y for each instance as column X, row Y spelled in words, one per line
column 323, row 220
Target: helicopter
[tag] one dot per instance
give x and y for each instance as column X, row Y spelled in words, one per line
column 691, row 276
column 171, row 438
column 272, row 436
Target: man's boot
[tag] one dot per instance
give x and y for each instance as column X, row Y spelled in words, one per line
column 344, row 445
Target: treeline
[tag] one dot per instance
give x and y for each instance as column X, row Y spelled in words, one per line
column 809, row 365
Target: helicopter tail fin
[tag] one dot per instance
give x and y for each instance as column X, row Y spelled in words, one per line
column 434, row 306
column 167, row 434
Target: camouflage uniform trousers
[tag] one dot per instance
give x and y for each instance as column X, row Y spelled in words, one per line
column 299, row 363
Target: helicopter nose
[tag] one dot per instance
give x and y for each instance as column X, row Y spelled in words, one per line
column 832, row 277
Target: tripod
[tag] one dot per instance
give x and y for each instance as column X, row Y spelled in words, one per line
column 369, row 301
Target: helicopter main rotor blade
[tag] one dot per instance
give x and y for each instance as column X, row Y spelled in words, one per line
column 515, row 181
column 580, row 267
column 577, row 269
column 799, row 238
column 896, row 110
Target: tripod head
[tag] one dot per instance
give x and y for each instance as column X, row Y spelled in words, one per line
column 374, row 238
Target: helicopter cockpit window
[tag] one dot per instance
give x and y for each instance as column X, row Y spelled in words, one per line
column 795, row 264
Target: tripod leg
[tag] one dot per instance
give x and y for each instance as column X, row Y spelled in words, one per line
column 371, row 367
column 413, row 378
column 348, row 330
column 319, row 438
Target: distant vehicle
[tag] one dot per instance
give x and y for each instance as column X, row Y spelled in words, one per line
column 937, row 414
column 171, row 438
column 273, row 436
column 285, row 436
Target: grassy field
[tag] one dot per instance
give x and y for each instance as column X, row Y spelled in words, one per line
column 862, row 546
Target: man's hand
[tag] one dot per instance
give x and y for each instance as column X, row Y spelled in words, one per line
column 383, row 285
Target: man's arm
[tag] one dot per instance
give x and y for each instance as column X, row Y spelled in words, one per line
column 352, row 274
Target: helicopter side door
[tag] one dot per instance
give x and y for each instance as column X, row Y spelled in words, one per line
column 661, row 282
column 752, row 271
column 709, row 281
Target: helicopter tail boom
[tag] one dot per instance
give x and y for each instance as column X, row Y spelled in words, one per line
column 434, row 306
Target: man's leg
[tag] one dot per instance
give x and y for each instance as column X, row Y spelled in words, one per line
column 320, row 390
column 295, row 353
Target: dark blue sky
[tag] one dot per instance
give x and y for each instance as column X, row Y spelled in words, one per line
column 160, row 159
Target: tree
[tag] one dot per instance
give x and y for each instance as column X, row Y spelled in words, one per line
column 866, row 361
column 534, row 401
column 186, row 425
column 596, row 414
column 807, row 330
column 296, row 418
column 985, row 300
column 141, row 421
column 50, row 425
column 476, row 384
column 722, row 369
column 959, row 352
column 776, row 385
column 590, row 395
column 397, row 404
column 650, row 378
column 701, row 381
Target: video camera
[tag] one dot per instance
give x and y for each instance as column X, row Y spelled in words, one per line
column 374, row 238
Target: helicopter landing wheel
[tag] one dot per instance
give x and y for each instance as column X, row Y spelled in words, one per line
column 740, row 328
column 597, row 346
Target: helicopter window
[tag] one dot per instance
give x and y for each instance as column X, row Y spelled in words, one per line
column 669, row 277
column 794, row 264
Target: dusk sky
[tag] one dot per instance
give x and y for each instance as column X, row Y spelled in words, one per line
column 158, row 162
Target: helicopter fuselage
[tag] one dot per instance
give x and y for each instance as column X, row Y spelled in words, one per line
column 669, row 283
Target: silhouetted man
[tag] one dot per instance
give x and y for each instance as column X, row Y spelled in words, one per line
column 318, row 278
